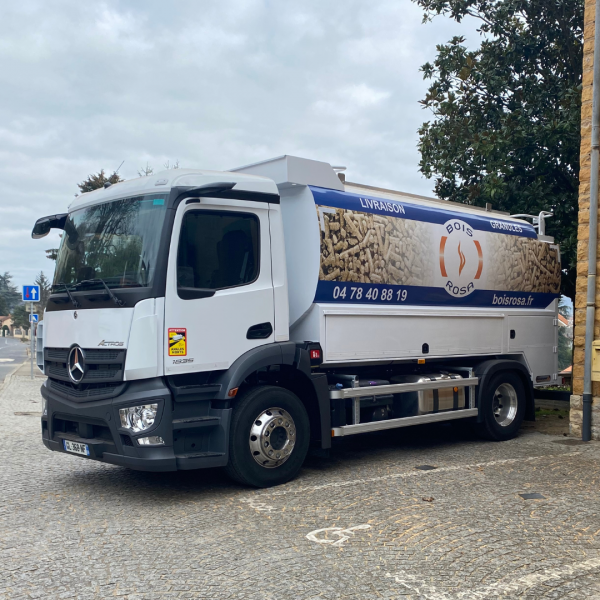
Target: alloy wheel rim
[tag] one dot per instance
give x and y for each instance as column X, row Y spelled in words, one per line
column 272, row 437
column 504, row 404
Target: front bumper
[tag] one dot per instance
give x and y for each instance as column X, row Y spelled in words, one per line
column 195, row 433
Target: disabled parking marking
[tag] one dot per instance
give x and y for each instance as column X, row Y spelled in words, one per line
column 343, row 534
column 258, row 506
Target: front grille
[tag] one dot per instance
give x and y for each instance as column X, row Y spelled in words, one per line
column 57, row 354
column 94, row 372
column 103, row 355
column 103, row 372
column 84, row 391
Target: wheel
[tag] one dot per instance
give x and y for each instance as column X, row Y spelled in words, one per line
column 269, row 437
column 502, row 407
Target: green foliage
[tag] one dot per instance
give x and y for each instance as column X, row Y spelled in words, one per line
column 20, row 316
column 9, row 294
column 97, row 181
column 45, row 287
column 506, row 126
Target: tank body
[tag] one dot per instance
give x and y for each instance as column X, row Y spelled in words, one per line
column 377, row 275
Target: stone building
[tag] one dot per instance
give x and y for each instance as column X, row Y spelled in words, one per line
column 583, row 238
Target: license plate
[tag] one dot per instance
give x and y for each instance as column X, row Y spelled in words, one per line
column 76, row 448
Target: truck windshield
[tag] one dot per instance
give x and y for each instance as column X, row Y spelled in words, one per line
column 116, row 242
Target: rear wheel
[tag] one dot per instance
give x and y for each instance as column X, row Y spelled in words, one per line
column 502, row 407
column 269, row 437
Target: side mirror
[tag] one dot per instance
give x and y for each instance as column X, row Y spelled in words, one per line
column 43, row 226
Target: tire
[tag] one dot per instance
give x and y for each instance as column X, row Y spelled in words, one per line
column 503, row 404
column 261, row 415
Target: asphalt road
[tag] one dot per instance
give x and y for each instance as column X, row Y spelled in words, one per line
column 12, row 353
column 365, row 523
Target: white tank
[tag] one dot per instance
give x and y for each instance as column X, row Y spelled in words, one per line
column 357, row 255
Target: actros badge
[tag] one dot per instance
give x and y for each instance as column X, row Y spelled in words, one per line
column 461, row 258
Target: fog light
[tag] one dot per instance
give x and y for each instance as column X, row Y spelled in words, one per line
column 44, row 407
column 138, row 418
column 153, row 440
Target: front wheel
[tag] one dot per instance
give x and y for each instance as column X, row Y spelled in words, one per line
column 502, row 407
column 269, row 437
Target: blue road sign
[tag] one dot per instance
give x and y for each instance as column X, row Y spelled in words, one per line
column 33, row 318
column 31, row 293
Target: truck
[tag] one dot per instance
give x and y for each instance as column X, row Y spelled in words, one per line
column 239, row 319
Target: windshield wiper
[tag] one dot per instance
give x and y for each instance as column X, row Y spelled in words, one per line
column 112, row 295
column 73, row 300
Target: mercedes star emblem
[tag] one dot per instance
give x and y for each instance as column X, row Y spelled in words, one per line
column 76, row 364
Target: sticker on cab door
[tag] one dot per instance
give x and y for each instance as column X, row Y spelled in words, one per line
column 177, row 342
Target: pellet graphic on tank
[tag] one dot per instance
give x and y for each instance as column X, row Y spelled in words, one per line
column 523, row 265
column 368, row 248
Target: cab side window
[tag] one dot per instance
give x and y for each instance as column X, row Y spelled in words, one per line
column 217, row 250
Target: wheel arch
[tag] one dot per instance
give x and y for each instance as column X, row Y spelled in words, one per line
column 487, row 369
column 294, row 374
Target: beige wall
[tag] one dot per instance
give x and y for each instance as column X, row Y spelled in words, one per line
column 583, row 238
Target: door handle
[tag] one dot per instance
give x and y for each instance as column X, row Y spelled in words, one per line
column 260, row 331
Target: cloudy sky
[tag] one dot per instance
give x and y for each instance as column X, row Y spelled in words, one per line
column 214, row 84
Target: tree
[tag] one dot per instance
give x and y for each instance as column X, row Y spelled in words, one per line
column 20, row 317
column 145, row 171
column 148, row 170
column 506, row 127
column 45, row 291
column 97, row 181
column 9, row 294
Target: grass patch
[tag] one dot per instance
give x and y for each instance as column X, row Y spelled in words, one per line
column 557, row 413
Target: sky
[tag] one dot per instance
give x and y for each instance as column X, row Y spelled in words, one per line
column 210, row 84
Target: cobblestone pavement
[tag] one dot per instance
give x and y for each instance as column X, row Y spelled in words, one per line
column 364, row 523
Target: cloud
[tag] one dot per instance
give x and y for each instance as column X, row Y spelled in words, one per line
column 212, row 84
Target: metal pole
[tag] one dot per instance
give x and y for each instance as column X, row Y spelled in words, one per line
column 31, row 335
column 590, row 313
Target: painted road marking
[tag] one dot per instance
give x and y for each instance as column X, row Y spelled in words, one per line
column 350, row 482
column 3, row 360
column 343, row 534
column 508, row 589
column 258, row 506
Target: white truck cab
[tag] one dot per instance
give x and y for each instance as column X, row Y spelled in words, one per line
column 202, row 318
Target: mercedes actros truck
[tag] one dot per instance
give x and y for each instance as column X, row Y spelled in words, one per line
column 236, row 319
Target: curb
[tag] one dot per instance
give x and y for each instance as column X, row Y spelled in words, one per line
column 9, row 377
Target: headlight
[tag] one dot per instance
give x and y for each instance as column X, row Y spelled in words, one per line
column 138, row 418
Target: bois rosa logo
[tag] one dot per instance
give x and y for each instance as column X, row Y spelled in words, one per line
column 461, row 258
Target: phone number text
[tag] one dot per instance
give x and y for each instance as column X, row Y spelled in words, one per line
column 366, row 294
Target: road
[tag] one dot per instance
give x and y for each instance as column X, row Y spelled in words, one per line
column 12, row 353
column 365, row 523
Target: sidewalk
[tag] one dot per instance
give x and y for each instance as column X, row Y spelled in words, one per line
column 22, row 370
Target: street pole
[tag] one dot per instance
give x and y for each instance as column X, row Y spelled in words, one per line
column 31, row 334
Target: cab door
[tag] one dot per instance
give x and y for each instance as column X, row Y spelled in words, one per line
column 219, row 294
